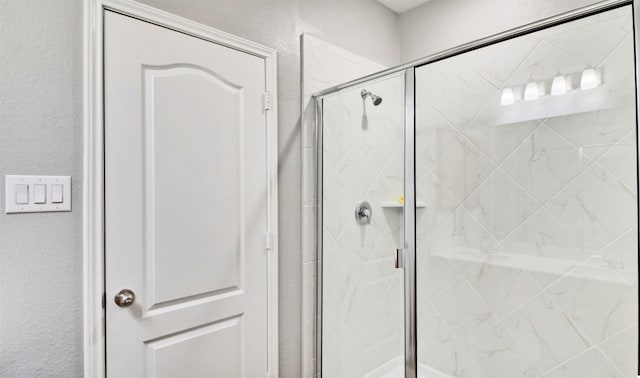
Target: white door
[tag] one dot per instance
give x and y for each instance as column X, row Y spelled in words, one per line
column 184, row 205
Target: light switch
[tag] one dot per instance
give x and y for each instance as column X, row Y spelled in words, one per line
column 56, row 193
column 39, row 193
column 36, row 194
column 22, row 194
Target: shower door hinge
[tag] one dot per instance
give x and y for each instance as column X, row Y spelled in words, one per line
column 268, row 242
column 104, row 301
column 266, row 101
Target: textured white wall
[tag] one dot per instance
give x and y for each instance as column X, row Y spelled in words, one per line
column 41, row 133
column 441, row 24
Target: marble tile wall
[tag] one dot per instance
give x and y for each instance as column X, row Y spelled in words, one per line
column 527, row 249
column 323, row 65
column 363, row 293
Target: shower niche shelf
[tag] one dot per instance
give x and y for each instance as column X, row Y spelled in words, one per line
column 392, row 204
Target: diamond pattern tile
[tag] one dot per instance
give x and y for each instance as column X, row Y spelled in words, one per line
column 434, row 133
column 448, row 80
column 503, row 288
column 622, row 350
column 496, row 65
column 590, row 364
column 499, row 355
column 581, row 208
column 461, row 239
column 621, row 160
column 462, row 168
column 527, row 244
column 464, row 310
column 501, row 205
column 498, row 137
column 545, row 163
column 622, row 256
column 578, row 39
column 545, row 247
column 545, row 332
column 595, row 131
column 539, row 263
column 597, row 299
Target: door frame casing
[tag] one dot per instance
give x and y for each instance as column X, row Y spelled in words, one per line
column 93, row 201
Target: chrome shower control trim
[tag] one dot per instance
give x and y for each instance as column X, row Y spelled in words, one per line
column 363, row 213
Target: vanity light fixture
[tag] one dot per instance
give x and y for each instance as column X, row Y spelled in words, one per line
column 507, row 97
column 589, row 79
column 531, row 91
column 559, row 85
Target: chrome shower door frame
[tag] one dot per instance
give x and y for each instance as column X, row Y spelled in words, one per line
column 410, row 309
column 409, row 265
column 636, row 43
column 409, row 135
column 318, row 237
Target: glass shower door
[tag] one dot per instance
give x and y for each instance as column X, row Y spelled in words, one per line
column 527, row 241
column 362, row 291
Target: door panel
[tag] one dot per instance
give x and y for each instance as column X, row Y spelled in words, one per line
column 176, row 157
column 185, row 204
column 164, row 354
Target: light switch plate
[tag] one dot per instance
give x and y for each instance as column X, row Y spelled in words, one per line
column 11, row 205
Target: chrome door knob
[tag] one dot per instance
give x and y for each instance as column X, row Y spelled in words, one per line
column 124, row 298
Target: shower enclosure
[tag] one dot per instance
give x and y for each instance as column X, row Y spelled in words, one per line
column 478, row 212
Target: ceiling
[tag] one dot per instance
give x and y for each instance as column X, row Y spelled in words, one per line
column 401, row 6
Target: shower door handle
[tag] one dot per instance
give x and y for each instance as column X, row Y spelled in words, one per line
column 398, row 262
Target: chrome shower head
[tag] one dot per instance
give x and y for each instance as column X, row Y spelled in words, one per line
column 377, row 100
